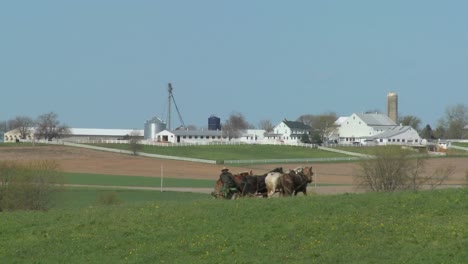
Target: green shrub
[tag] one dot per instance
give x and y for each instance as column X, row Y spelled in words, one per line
column 28, row 186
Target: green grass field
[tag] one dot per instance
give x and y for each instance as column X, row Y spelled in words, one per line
column 22, row 144
column 79, row 197
column 406, row 227
column 233, row 152
column 461, row 144
column 140, row 181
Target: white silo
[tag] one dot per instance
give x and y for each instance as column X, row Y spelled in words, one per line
column 392, row 106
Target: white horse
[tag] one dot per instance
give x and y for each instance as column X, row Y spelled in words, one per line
column 273, row 183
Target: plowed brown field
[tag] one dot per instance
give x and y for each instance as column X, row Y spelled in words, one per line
column 81, row 160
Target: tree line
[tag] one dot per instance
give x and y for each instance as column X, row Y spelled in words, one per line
column 450, row 126
column 46, row 126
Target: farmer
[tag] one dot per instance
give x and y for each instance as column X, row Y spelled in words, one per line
column 228, row 181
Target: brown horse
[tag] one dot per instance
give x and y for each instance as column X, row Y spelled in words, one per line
column 238, row 180
column 296, row 181
column 246, row 183
column 255, row 185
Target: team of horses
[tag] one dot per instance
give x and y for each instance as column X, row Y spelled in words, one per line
column 286, row 183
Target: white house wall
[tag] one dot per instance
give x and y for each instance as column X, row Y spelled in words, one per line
column 284, row 134
column 354, row 127
column 283, row 129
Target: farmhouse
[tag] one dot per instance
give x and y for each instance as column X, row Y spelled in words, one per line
column 15, row 135
column 288, row 132
column 375, row 129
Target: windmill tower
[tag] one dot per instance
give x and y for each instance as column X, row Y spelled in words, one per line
column 171, row 99
column 392, row 106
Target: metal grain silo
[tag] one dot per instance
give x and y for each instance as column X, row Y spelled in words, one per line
column 214, row 123
column 152, row 127
column 392, row 106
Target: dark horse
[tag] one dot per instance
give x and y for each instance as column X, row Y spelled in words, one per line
column 295, row 182
column 255, row 184
column 246, row 184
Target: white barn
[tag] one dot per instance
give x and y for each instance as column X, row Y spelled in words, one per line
column 78, row 134
column 189, row 136
column 375, row 129
column 207, row 136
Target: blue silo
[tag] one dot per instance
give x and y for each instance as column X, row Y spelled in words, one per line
column 214, row 123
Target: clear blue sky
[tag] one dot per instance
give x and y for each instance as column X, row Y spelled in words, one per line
column 106, row 64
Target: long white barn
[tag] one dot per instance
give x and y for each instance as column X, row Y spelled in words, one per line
column 207, row 136
column 79, row 134
column 375, row 129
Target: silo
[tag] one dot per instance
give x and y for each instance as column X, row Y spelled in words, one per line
column 214, row 123
column 392, row 106
column 152, row 127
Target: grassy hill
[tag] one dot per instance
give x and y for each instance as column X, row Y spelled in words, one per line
column 407, row 227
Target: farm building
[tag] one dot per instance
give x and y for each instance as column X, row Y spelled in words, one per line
column 188, row 136
column 79, row 134
column 375, row 129
column 14, row 135
column 207, row 136
column 288, row 132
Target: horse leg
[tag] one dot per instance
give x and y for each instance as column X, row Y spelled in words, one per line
column 270, row 189
column 270, row 193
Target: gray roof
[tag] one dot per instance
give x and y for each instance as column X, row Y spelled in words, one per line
column 197, row 132
column 376, row 120
column 296, row 124
column 103, row 132
column 394, row 131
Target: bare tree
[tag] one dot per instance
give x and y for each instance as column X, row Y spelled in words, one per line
column 322, row 125
column 234, row 126
column 395, row 169
column 266, row 125
column 411, row 121
column 456, row 117
column 134, row 141
column 325, row 124
column 307, row 119
column 24, row 124
column 48, row 127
